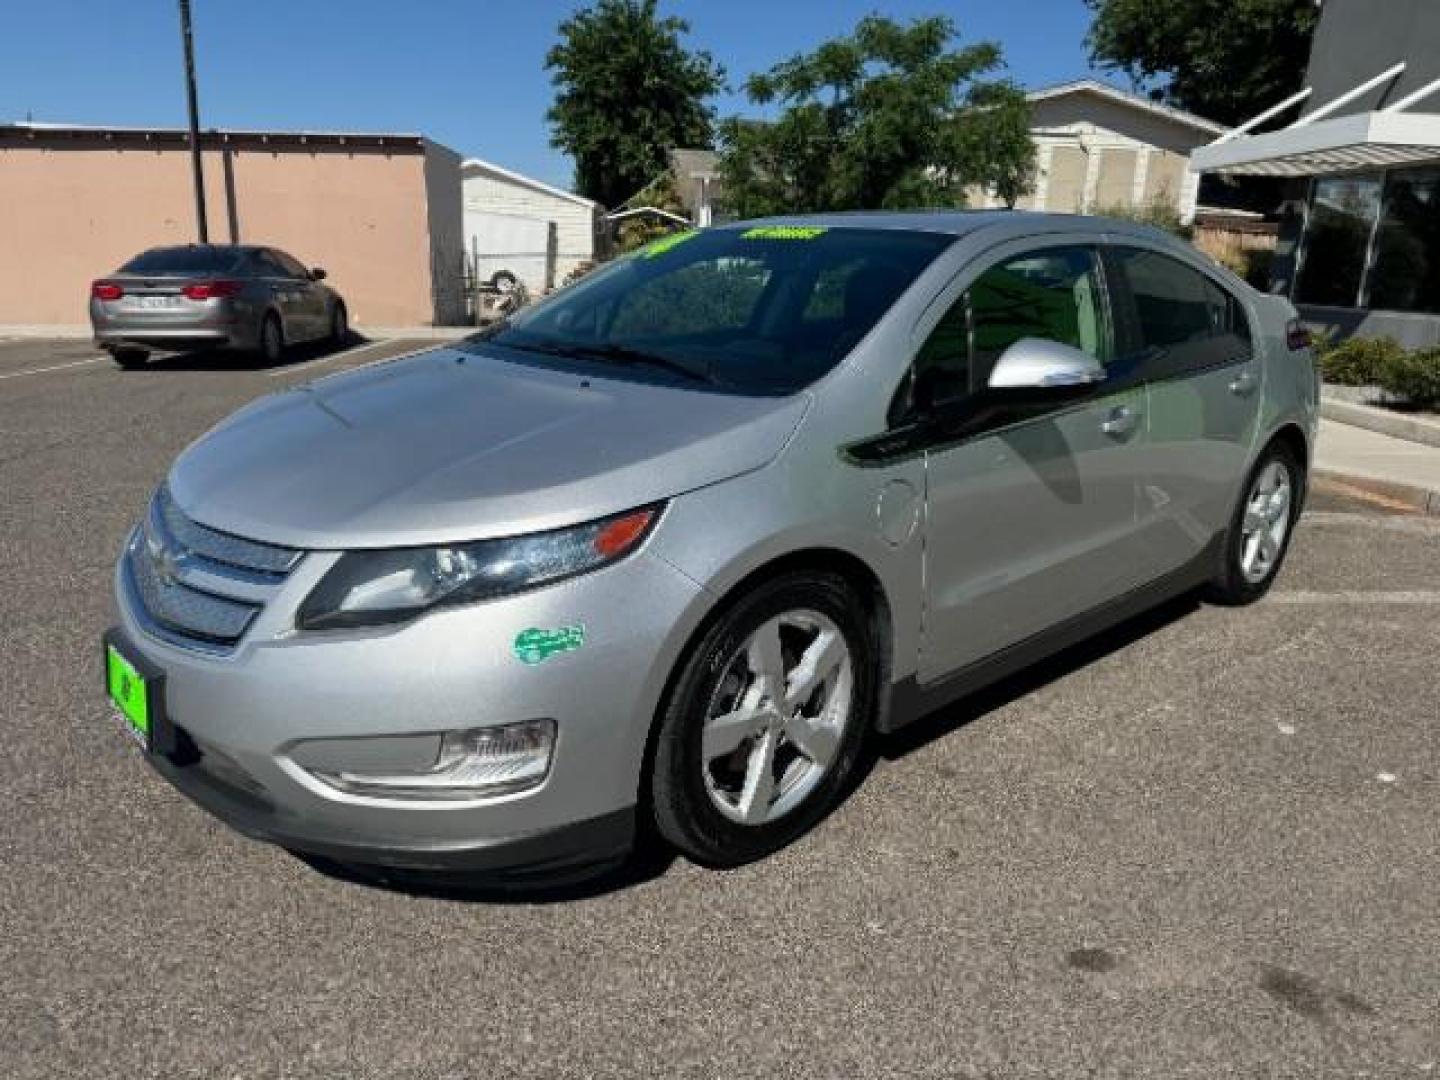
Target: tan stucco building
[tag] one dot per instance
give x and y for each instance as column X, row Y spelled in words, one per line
column 381, row 213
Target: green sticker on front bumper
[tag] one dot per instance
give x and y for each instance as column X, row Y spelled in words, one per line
column 535, row 646
column 127, row 690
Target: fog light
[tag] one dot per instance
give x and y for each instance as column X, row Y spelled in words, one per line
column 472, row 764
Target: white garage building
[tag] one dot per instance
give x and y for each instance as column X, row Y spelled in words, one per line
column 517, row 224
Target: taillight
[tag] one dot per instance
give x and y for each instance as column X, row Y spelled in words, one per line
column 211, row 290
column 1296, row 336
column 106, row 290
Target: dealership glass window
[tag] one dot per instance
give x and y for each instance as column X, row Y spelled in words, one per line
column 1405, row 274
column 1342, row 216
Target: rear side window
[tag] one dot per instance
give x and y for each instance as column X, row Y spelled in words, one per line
column 184, row 260
column 1053, row 294
column 1182, row 312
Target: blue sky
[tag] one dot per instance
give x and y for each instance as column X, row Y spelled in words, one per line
column 468, row 73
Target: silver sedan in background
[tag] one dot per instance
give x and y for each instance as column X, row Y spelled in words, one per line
column 255, row 299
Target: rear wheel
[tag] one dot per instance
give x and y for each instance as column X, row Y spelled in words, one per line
column 339, row 324
column 766, row 721
column 272, row 339
column 1260, row 529
column 130, row 359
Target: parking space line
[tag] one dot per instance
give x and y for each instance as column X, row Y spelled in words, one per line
column 1357, row 596
column 369, row 345
column 53, row 367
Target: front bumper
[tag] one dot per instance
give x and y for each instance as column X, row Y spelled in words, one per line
column 250, row 724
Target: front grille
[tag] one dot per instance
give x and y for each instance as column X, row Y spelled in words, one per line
column 196, row 586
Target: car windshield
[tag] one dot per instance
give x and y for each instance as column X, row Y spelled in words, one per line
column 764, row 310
column 184, row 260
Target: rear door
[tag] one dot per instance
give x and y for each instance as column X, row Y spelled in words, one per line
column 1192, row 337
column 1031, row 508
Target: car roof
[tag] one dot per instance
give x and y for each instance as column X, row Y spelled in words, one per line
column 962, row 222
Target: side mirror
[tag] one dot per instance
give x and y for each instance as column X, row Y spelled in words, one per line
column 317, row 274
column 1038, row 364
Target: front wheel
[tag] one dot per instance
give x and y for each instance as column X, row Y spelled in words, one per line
column 766, row 721
column 1260, row 529
column 339, row 324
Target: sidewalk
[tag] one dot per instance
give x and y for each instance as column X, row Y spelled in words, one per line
column 1394, row 469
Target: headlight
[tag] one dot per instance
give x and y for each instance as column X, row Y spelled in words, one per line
column 371, row 588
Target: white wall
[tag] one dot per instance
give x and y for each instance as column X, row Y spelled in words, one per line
column 487, row 193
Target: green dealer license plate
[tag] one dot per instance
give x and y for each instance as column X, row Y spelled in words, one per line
column 132, row 692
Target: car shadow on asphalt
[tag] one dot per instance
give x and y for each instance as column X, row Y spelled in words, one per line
column 231, row 360
column 942, row 722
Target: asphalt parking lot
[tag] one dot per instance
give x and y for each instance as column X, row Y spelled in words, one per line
column 1207, row 846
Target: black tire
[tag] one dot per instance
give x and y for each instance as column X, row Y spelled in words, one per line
column 504, row 281
column 1230, row 586
column 339, row 324
column 272, row 339
column 684, row 813
column 130, row 359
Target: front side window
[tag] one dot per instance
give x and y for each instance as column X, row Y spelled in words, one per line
column 761, row 310
column 1180, row 313
column 289, row 264
column 1342, row 215
column 1052, row 294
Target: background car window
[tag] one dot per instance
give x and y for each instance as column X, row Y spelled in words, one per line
column 1183, row 311
column 1053, row 294
column 265, row 264
column 184, row 260
column 292, row 266
column 717, row 294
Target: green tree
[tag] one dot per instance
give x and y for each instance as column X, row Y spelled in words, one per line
column 1227, row 60
column 627, row 92
column 891, row 116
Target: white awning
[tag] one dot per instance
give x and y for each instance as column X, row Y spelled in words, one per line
column 1356, row 143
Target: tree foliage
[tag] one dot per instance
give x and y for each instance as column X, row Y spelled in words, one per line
column 627, row 92
column 1226, row 60
column 891, row 116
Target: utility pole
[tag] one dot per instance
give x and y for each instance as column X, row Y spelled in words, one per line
column 195, row 165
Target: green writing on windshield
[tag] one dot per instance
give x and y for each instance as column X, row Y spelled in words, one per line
column 782, row 232
column 665, row 243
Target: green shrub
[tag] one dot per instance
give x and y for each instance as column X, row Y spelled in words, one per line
column 1413, row 376
column 1358, row 361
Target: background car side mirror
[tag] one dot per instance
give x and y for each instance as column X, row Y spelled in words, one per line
column 1038, row 364
column 317, row 274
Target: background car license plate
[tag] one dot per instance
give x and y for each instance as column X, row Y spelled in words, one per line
column 129, row 692
column 156, row 301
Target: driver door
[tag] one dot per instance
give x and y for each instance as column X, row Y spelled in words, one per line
column 1031, row 499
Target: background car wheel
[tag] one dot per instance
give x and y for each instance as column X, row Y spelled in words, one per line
column 339, row 324
column 272, row 339
column 766, row 721
column 504, row 281
column 1260, row 529
column 130, row 359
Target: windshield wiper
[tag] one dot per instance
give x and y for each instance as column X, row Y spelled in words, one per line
column 620, row 354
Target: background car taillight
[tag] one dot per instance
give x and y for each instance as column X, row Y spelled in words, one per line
column 106, row 290
column 211, row 290
column 1296, row 336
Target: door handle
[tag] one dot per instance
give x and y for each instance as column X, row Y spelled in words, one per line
column 1121, row 422
column 1243, row 385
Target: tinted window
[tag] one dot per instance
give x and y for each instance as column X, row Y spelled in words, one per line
column 184, row 260
column 762, row 310
column 1406, row 274
column 292, row 266
column 1342, row 214
column 1183, row 312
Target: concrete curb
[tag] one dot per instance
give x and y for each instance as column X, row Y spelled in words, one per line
column 1384, row 421
column 1397, row 496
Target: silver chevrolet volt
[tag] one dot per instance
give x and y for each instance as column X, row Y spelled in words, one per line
column 665, row 550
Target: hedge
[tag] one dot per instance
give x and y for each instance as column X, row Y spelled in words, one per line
column 1411, row 376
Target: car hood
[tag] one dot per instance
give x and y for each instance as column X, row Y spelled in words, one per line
column 459, row 445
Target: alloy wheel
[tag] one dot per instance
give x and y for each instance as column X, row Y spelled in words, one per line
column 777, row 717
column 1266, row 522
